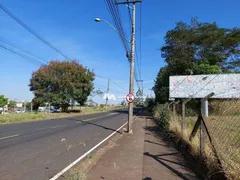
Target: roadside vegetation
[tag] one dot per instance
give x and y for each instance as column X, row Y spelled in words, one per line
column 197, row 48
column 201, row 48
column 61, row 83
column 224, row 126
column 27, row 117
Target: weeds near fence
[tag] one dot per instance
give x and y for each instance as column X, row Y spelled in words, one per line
column 223, row 124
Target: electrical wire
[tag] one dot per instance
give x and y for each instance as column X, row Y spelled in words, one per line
column 32, row 31
column 3, row 40
column 111, row 81
column 118, row 85
column 115, row 14
column 11, row 51
column 130, row 16
column 140, row 31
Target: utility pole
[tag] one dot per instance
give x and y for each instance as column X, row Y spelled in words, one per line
column 31, row 106
column 141, row 81
column 131, row 85
column 107, row 92
column 24, row 106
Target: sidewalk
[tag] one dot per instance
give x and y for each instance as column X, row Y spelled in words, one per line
column 142, row 155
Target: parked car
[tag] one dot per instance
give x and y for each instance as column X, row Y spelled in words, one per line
column 41, row 109
column 18, row 111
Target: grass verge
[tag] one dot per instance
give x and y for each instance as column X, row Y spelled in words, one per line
column 28, row 117
column 224, row 129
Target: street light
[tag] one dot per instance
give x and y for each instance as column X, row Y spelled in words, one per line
column 131, row 59
column 99, row 20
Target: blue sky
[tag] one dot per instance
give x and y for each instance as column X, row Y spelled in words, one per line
column 69, row 25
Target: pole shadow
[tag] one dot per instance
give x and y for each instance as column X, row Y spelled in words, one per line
column 162, row 162
column 107, row 128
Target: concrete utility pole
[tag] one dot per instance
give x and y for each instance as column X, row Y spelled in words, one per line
column 141, row 81
column 107, row 92
column 131, row 85
column 31, row 106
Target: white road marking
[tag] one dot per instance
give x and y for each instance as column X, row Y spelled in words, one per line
column 84, row 155
column 113, row 113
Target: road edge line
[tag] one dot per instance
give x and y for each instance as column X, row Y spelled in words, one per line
column 84, row 155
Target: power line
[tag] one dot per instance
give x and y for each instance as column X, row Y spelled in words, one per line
column 115, row 14
column 111, row 81
column 32, row 31
column 20, row 49
column 137, row 63
column 118, row 85
column 140, row 31
column 9, row 50
column 101, row 77
column 130, row 16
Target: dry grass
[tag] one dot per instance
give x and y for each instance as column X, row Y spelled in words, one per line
column 27, row 117
column 225, row 130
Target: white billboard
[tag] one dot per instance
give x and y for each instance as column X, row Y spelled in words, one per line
column 199, row 86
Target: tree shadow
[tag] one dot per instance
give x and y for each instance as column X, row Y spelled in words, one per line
column 162, row 161
column 156, row 143
column 147, row 178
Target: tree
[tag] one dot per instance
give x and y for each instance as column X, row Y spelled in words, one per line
column 96, row 93
column 123, row 103
column 139, row 98
column 149, row 103
column 59, row 83
column 12, row 104
column 27, row 105
column 197, row 48
column 3, row 101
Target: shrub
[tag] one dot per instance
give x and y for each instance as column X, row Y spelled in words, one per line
column 161, row 114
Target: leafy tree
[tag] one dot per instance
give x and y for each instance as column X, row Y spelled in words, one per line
column 27, row 105
column 61, row 82
column 12, row 104
column 139, row 98
column 197, row 48
column 96, row 93
column 3, row 101
column 149, row 103
column 123, row 103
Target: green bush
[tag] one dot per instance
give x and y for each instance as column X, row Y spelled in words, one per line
column 161, row 114
column 150, row 103
column 102, row 105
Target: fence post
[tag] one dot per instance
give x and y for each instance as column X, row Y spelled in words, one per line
column 170, row 104
column 202, row 129
column 204, row 113
column 184, row 102
column 174, row 107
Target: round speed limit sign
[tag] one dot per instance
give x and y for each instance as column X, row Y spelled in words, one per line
column 130, row 98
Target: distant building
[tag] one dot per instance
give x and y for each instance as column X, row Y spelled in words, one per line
column 19, row 104
column 90, row 102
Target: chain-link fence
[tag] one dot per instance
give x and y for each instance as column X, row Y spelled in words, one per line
column 224, row 127
column 213, row 135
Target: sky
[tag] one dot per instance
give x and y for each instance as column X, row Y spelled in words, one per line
column 69, row 25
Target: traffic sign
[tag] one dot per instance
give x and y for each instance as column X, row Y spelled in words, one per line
column 130, row 98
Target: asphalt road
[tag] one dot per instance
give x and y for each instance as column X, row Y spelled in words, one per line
column 39, row 150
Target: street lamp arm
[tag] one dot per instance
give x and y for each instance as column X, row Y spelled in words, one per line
column 115, row 30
